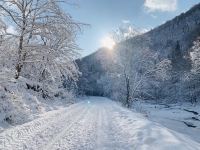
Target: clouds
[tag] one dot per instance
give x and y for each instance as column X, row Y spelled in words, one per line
column 160, row 5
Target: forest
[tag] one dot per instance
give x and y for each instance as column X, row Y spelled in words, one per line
column 140, row 89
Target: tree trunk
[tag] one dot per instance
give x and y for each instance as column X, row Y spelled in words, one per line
column 21, row 55
column 128, row 102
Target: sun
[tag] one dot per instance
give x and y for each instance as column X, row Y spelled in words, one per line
column 108, row 42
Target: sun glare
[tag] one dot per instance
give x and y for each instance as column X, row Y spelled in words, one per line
column 108, row 42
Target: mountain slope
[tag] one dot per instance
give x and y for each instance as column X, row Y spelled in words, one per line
column 171, row 40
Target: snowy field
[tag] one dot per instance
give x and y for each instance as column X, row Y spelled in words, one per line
column 94, row 124
column 184, row 118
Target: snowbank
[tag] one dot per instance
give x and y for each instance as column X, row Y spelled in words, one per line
column 184, row 118
column 20, row 103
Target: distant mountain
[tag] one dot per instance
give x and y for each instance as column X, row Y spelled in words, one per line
column 171, row 40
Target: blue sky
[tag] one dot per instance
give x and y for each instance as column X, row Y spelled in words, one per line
column 106, row 15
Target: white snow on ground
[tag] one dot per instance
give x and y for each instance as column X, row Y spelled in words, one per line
column 174, row 116
column 94, row 124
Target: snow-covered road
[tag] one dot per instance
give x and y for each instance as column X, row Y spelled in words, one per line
column 94, row 124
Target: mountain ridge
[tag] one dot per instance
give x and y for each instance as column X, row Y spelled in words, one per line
column 179, row 32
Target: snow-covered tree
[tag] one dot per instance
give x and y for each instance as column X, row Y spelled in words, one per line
column 44, row 38
column 195, row 56
column 143, row 70
column 136, row 72
column 37, row 55
column 191, row 81
column 124, row 32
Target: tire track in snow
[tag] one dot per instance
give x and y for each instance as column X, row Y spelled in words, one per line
column 81, row 136
column 65, row 129
column 102, row 132
column 21, row 136
column 44, row 137
column 115, row 138
column 99, row 132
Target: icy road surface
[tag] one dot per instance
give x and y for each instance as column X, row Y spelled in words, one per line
column 94, row 124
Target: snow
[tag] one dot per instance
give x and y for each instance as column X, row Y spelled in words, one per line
column 94, row 123
column 19, row 105
column 173, row 117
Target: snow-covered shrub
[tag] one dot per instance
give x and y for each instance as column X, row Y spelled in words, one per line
column 19, row 102
column 139, row 108
column 16, row 104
